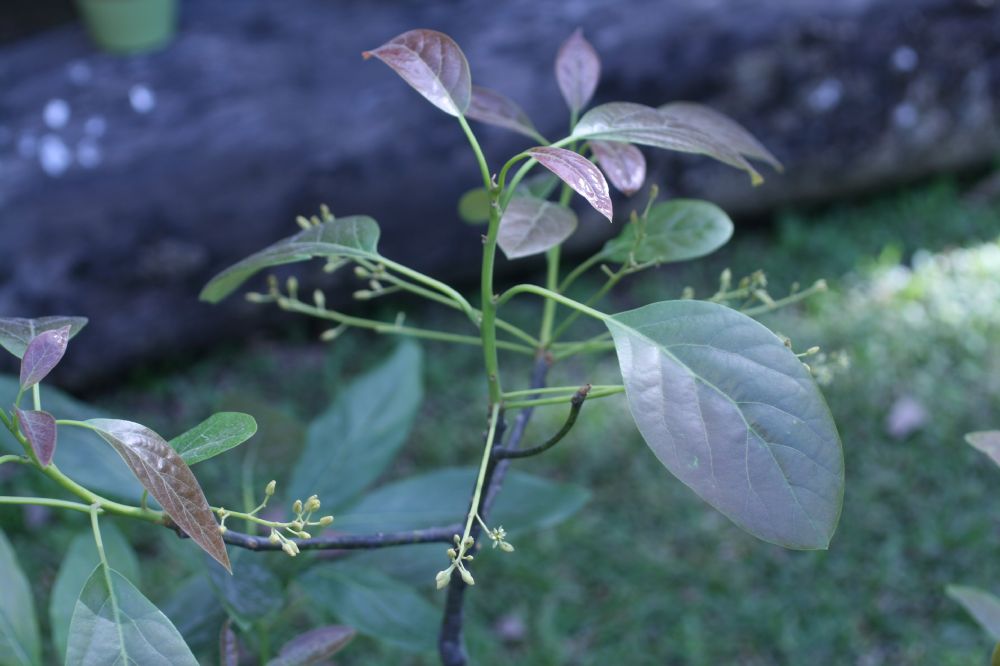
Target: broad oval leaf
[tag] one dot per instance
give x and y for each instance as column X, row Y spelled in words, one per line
column 474, row 206
column 42, row 355
column 493, row 108
column 646, row 126
column 343, row 237
column 195, row 611
column 374, row 604
column 312, row 646
column 722, row 128
column 251, row 594
column 433, row 64
column 734, row 414
column 987, row 441
column 168, row 479
column 441, row 497
column 17, row 332
column 229, row 649
column 675, row 230
column 351, row 444
column 531, row 226
column 579, row 173
column 623, row 164
column 982, row 606
column 83, row 457
column 76, row 567
column 578, row 69
column 20, row 644
column 39, row 428
column 113, row 623
column 216, row 434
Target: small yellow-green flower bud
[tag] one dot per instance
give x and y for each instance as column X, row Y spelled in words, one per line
column 222, row 529
column 297, row 506
column 443, row 578
column 302, row 222
column 506, row 547
column 312, row 504
column 271, row 487
column 319, row 299
column 296, row 525
column 467, row 577
column 305, row 535
column 290, row 548
column 468, row 542
column 292, row 285
column 274, row 538
column 452, row 554
column 325, row 520
column 361, row 272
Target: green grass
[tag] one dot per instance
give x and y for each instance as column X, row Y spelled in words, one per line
column 647, row 574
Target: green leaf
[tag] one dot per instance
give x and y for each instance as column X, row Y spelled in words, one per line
column 351, row 444
column 343, row 237
column 733, row 413
column 722, row 128
column 251, row 593
column 374, row 604
column 987, row 441
column 168, row 479
column 578, row 69
column 493, row 108
column 17, row 332
column 83, row 457
column 195, row 611
column 312, row 646
column 675, row 230
column 646, row 126
column 216, row 434
column 442, row 497
column 42, row 355
column 622, row 163
column 982, row 606
column 138, row 633
column 19, row 640
column 531, row 226
column 474, row 206
column 39, row 428
column 432, row 63
column 579, row 173
column 80, row 560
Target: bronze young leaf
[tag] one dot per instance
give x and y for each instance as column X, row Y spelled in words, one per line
column 42, row 354
column 578, row 173
column 39, row 428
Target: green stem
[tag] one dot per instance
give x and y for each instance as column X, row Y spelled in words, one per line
column 787, row 300
column 112, row 593
column 46, row 501
column 445, row 289
column 13, row 458
column 549, row 307
column 484, row 169
column 36, row 396
column 557, row 389
column 587, row 347
column 546, row 293
column 585, row 266
column 563, row 399
column 487, row 451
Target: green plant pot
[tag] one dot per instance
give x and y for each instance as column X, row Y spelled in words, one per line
column 129, row 26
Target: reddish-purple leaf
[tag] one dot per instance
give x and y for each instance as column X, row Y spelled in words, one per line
column 166, row 476
column 490, row 107
column 531, row 226
column 42, row 354
column 722, row 128
column 623, row 164
column 39, row 428
column 17, row 332
column 310, row 647
column 578, row 68
column 432, row 63
column 229, row 649
column 578, row 173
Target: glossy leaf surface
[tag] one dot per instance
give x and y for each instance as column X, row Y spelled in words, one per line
column 983, row 606
column 313, row 646
column 441, row 497
column 374, row 604
column 168, row 479
column 578, row 69
column 734, row 414
column 433, row 64
column 493, row 108
column 82, row 456
column 531, row 226
column 987, row 441
column 722, row 128
column 622, row 163
column 76, row 567
column 138, row 633
column 216, row 434
column 344, row 237
column 579, row 173
column 20, row 644
column 17, row 332
column 42, row 354
column 646, row 126
column 351, row 444
column 39, row 428
column 675, row 230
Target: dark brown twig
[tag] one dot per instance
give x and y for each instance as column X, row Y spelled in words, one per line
column 344, row 541
column 574, row 410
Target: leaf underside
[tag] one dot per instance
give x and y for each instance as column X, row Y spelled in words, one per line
column 493, row 108
column 43, row 354
column 39, row 428
column 722, row 128
column 987, row 441
column 981, row 605
column 622, row 163
column 578, row 69
column 531, row 226
column 17, row 332
column 733, row 413
column 312, row 646
column 579, row 173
